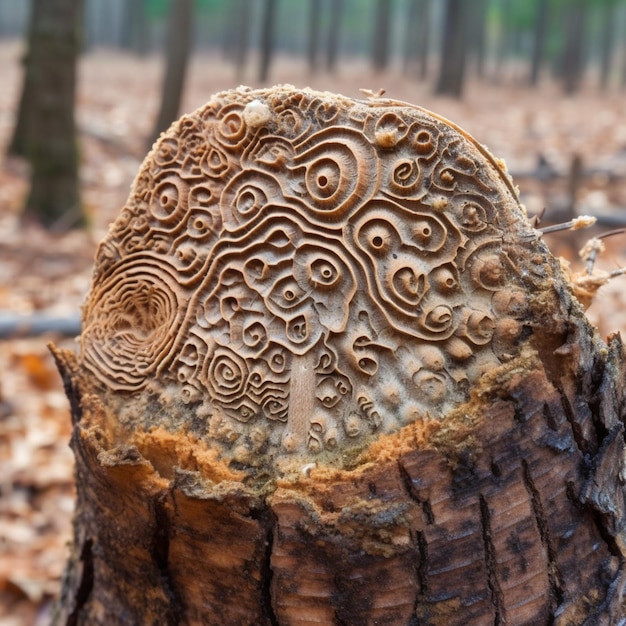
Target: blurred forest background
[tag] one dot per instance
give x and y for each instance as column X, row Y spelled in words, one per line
column 87, row 85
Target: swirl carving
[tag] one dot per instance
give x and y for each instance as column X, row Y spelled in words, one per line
column 143, row 309
column 302, row 271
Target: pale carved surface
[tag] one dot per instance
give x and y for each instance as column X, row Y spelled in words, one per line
column 295, row 272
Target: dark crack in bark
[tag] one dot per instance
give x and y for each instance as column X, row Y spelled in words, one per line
column 554, row 576
column 497, row 597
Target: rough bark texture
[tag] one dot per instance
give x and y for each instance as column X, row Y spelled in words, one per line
column 504, row 506
column 518, row 521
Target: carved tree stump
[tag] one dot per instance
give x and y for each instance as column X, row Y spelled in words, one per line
column 329, row 374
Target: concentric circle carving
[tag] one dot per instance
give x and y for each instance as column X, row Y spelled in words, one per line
column 309, row 267
column 142, row 306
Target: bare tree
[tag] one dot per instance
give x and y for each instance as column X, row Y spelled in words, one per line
column 267, row 38
column 336, row 17
column 505, row 38
column 314, row 34
column 478, row 33
column 134, row 35
column 453, row 50
column 242, row 35
column 573, row 60
column 607, row 42
column 382, row 31
column 18, row 146
column 423, row 37
column 539, row 40
column 416, row 46
column 411, row 34
column 45, row 131
column 178, row 46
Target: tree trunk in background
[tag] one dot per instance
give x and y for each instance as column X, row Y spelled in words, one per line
column 334, row 33
column 242, row 36
column 228, row 37
column 314, row 34
column 607, row 43
column 267, row 38
column 504, row 40
column 104, row 22
column 411, row 33
column 134, row 36
column 624, row 64
column 540, row 31
column 453, row 49
column 573, row 63
column 46, row 132
column 381, row 34
column 477, row 40
column 423, row 38
column 178, row 47
column 18, row 146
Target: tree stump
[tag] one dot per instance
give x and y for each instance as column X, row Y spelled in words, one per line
column 330, row 374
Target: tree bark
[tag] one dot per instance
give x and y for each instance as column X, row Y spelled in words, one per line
column 178, row 48
column 45, row 131
column 453, row 49
column 362, row 462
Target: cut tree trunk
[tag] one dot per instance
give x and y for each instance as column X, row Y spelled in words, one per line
column 330, row 374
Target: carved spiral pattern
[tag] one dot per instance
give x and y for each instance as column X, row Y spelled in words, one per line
column 325, row 267
column 142, row 306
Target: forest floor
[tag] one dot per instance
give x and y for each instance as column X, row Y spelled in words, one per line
column 118, row 97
